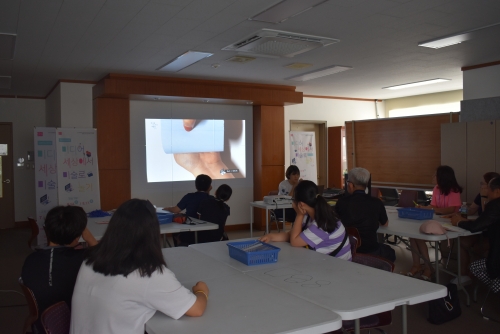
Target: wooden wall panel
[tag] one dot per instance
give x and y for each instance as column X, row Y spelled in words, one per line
column 454, row 152
column 269, row 156
column 404, row 150
column 497, row 146
column 480, row 157
column 335, row 157
column 115, row 187
column 112, row 120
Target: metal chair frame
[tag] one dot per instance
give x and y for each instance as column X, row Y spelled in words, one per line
column 483, row 313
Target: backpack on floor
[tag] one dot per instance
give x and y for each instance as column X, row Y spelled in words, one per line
column 445, row 309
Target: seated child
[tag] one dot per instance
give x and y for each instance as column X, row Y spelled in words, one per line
column 316, row 225
column 287, row 187
column 191, row 202
column 215, row 210
column 50, row 272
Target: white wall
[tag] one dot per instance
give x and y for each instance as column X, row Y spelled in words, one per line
column 169, row 193
column 482, row 82
column 76, row 105
column 335, row 112
column 53, row 108
column 24, row 114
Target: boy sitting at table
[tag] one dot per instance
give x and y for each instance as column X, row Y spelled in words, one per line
column 50, row 272
column 191, row 202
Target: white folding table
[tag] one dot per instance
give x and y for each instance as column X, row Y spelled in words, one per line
column 267, row 207
column 349, row 289
column 410, row 228
column 238, row 303
column 98, row 226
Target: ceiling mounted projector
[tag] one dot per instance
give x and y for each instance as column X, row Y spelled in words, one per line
column 276, row 43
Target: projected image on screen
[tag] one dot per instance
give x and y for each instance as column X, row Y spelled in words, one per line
column 181, row 149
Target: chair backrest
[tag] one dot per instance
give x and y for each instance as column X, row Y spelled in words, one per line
column 352, row 231
column 56, row 319
column 407, row 198
column 373, row 261
column 32, row 306
column 34, row 231
column 376, row 192
column 353, row 241
column 273, row 192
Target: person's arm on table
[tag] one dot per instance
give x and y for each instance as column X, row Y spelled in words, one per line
column 173, row 209
column 201, row 291
column 491, row 215
column 440, row 211
column 88, row 237
column 282, row 236
column 295, row 239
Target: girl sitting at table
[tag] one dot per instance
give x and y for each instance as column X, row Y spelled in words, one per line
column 445, row 200
column 124, row 279
column 316, row 225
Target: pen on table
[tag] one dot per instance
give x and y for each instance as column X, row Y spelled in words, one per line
column 416, row 204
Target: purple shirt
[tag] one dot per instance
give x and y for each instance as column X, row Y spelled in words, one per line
column 323, row 242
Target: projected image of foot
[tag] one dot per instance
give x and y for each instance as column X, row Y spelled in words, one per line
column 181, row 149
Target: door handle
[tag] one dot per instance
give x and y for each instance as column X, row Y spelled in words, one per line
column 6, row 181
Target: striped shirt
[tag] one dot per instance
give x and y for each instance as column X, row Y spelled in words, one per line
column 325, row 243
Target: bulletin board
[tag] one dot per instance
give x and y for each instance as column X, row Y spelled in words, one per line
column 303, row 154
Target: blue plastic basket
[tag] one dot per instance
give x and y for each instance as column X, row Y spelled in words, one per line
column 164, row 217
column 253, row 252
column 415, row 213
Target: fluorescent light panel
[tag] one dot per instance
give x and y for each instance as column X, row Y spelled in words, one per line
column 7, row 46
column 418, row 83
column 184, row 60
column 285, row 9
column 457, row 38
column 320, row 73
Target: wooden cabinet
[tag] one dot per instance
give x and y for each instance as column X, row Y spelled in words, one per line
column 335, row 135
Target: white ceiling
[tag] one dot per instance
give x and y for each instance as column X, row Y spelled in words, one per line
column 85, row 40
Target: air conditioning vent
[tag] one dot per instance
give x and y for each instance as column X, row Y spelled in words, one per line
column 277, row 43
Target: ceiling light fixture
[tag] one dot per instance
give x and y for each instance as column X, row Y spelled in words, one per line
column 184, row 60
column 285, row 9
column 453, row 39
column 298, row 66
column 320, row 73
column 418, row 83
column 7, row 46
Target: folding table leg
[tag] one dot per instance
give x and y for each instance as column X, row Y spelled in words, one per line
column 404, row 324
column 267, row 221
column 357, row 330
column 459, row 276
column 251, row 221
column 436, row 260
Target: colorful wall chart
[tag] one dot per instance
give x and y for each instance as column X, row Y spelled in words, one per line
column 45, row 175
column 303, row 154
column 77, row 169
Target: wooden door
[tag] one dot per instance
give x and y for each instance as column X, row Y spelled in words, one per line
column 6, row 176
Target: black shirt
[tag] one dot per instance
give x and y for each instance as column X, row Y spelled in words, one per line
column 52, row 285
column 490, row 220
column 214, row 211
column 365, row 213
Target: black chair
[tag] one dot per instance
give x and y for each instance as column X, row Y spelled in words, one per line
column 390, row 197
column 32, row 308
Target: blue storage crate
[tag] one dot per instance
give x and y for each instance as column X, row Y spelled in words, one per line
column 164, row 217
column 415, row 213
column 253, row 252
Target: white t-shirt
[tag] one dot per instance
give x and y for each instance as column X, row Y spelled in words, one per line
column 284, row 188
column 118, row 304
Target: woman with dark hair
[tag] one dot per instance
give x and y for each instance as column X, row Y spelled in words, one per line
column 124, row 279
column 215, row 210
column 445, row 200
column 480, row 201
column 316, row 225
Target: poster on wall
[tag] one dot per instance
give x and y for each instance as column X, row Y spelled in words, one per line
column 303, row 154
column 77, row 169
column 45, row 176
